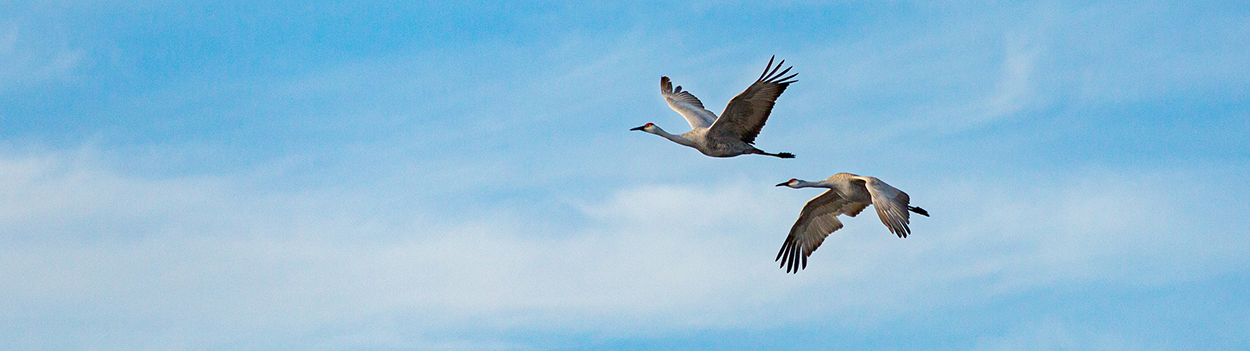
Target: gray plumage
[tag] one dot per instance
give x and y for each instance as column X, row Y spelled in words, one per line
column 848, row 194
column 734, row 132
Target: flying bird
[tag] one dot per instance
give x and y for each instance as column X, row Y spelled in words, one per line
column 733, row 133
column 848, row 194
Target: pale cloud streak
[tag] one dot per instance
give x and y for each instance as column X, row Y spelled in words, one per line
column 216, row 263
column 1053, row 334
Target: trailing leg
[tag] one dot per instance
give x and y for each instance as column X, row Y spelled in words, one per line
column 919, row 211
column 780, row 154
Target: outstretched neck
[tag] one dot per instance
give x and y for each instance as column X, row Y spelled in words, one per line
column 815, row 184
column 675, row 138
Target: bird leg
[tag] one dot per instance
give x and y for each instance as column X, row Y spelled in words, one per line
column 780, row 154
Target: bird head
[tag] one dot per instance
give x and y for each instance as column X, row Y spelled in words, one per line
column 649, row 127
column 793, row 183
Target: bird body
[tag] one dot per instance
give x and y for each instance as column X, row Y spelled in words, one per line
column 734, row 132
column 848, row 194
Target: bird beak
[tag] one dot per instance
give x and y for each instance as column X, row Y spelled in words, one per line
column 639, row 128
column 783, row 183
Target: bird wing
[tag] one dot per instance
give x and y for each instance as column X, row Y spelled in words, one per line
column 745, row 115
column 853, row 208
column 891, row 205
column 686, row 104
column 818, row 219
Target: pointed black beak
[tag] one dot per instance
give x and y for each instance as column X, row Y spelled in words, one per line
column 638, row 128
column 783, row 183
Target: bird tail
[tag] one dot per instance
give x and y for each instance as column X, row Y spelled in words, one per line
column 919, row 211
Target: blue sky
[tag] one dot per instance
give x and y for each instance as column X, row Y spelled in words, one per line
column 460, row 176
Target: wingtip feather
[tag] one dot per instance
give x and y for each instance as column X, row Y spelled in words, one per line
column 787, row 80
column 766, row 68
column 771, row 74
column 787, row 70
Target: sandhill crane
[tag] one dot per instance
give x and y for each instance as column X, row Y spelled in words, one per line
column 734, row 132
column 848, row 194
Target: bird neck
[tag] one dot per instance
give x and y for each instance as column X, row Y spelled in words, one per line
column 815, row 184
column 674, row 137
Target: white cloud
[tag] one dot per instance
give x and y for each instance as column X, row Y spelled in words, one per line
column 1053, row 334
column 217, row 264
column 226, row 261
